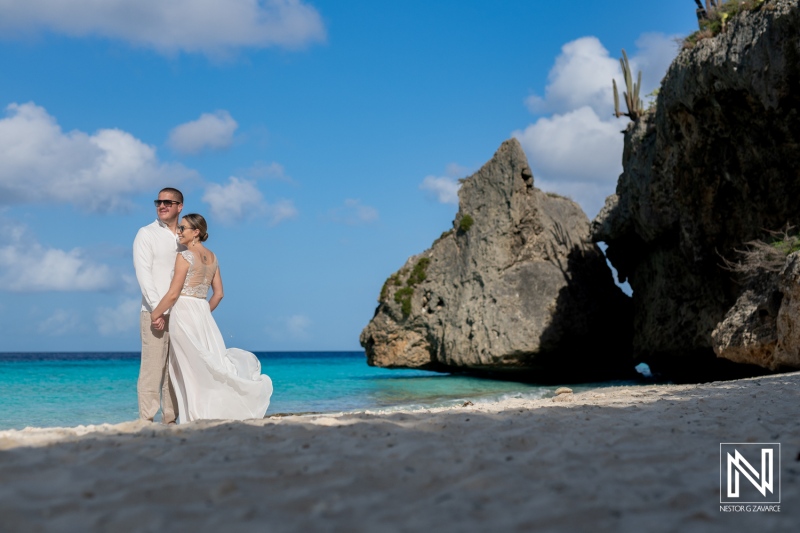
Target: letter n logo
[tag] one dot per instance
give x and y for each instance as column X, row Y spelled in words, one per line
column 755, row 463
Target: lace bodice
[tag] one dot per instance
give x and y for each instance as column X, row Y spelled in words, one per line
column 199, row 277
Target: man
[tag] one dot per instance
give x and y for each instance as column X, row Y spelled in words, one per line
column 154, row 251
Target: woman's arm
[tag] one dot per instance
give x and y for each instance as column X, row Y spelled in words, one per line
column 216, row 285
column 175, row 287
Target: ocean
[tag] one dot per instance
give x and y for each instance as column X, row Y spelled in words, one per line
column 71, row 389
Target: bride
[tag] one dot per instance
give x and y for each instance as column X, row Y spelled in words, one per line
column 210, row 381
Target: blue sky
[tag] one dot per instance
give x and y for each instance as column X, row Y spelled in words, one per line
column 322, row 140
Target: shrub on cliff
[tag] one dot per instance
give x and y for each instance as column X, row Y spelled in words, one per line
column 765, row 256
column 713, row 17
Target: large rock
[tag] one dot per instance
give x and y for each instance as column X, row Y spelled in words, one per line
column 515, row 288
column 714, row 166
column 749, row 332
column 763, row 326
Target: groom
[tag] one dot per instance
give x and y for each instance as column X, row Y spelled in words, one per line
column 154, row 251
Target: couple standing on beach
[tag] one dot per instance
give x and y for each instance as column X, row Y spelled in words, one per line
column 186, row 368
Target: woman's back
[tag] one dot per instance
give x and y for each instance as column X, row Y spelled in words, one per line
column 202, row 268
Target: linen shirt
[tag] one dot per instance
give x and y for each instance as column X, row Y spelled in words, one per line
column 154, row 250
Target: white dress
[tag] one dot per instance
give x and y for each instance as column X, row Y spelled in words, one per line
column 211, row 382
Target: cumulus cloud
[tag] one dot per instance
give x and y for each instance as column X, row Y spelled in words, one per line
column 270, row 171
column 98, row 172
column 353, row 213
column 120, row 319
column 581, row 76
column 27, row 266
column 240, row 199
column 61, row 322
column 576, row 148
column 212, row 27
column 445, row 188
column 211, row 131
column 583, row 72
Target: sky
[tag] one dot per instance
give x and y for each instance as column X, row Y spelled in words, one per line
column 322, row 140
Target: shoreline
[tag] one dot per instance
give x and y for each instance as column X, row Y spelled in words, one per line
column 614, row 458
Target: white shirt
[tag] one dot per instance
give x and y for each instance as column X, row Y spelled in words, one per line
column 154, row 251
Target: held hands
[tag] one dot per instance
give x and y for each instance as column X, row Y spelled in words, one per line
column 158, row 323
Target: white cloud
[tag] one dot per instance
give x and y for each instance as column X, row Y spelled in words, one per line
column 212, row 27
column 120, row 319
column 240, row 199
column 281, row 210
column 353, row 213
column 575, row 146
column 42, row 164
column 443, row 188
column 270, row 171
column 298, row 325
column 295, row 327
column 583, row 72
column 655, row 52
column 32, row 267
column 61, row 322
column 581, row 76
column 577, row 150
column 212, row 130
column 27, row 266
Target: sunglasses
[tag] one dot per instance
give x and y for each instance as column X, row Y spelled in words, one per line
column 181, row 228
column 168, row 203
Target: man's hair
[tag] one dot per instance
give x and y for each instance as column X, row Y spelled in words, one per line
column 175, row 192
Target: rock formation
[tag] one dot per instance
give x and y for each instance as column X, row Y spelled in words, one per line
column 713, row 167
column 763, row 326
column 514, row 289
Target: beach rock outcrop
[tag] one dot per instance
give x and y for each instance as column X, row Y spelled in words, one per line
column 714, row 166
column 514, row 289
column 763, row 326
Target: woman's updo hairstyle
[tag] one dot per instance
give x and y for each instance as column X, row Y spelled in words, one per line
column 198, row 223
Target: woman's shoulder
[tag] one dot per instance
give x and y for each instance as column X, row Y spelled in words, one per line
column 188, row 255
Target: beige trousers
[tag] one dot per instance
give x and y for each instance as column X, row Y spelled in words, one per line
column 154, row 386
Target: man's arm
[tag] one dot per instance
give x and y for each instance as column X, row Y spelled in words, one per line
column 143, row 264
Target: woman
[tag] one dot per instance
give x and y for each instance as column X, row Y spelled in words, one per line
column 210, row 381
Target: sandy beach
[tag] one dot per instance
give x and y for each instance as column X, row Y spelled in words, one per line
column 614, row 459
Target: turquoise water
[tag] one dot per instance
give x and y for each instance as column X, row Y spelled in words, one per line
column 50, row 389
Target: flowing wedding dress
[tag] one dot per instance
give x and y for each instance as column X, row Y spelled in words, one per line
column 210, row 381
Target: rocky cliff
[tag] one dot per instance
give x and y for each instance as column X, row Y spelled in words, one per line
column 713, row 167
column 514, row 289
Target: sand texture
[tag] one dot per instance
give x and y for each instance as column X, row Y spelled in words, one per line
column 612, row 459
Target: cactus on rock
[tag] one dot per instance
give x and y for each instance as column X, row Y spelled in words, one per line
column 632, row 100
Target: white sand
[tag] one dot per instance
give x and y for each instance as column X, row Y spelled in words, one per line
column 618, row 459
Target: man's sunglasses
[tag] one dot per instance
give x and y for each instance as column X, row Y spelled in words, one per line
column 168, row 203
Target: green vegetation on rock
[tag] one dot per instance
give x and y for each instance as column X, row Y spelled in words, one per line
column 465, row 223
column 767, row 255
column 403, row 295
column 418, row 274
column 394, row 279
column 713, row 17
